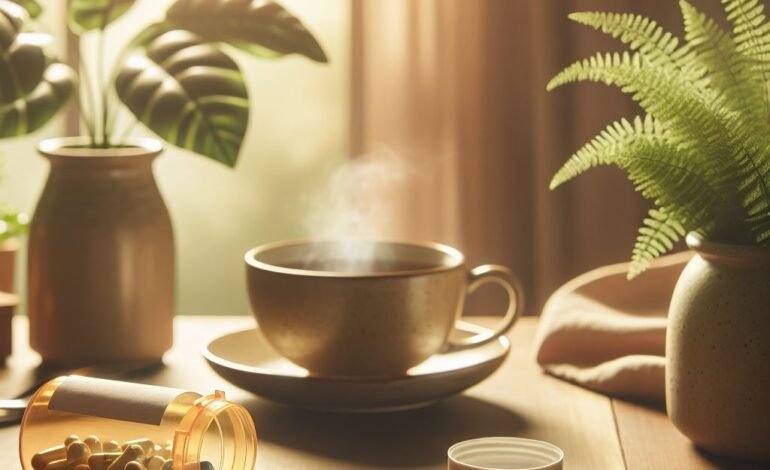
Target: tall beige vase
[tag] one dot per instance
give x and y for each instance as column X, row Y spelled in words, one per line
column 101, row 256
column 718, row 350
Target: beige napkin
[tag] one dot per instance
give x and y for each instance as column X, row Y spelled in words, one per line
column 608, row 334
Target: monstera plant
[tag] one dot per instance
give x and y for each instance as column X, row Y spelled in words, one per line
column 101, row 245
column 176, row 76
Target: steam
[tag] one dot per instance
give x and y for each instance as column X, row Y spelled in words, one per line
column 355, row 208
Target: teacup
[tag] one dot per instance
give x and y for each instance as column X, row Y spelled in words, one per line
column 367, row 308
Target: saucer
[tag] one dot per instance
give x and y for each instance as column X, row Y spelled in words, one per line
column 245, row 359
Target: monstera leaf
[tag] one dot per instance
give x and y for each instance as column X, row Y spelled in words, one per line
column 262, row 28
column 32, row 7
column 32, row 87
column 189, row 93
column 87, row 15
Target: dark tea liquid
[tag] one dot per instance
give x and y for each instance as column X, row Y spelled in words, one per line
column 359, row 266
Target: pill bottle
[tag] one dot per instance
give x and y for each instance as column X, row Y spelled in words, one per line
column 80, row 423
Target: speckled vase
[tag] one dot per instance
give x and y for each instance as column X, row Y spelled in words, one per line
column 718, row 350
column 101, row 257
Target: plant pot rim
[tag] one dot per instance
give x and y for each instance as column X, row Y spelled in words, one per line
column 743, row 254
column 77, row 147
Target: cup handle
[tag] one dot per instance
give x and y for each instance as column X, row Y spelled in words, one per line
column 502, row 276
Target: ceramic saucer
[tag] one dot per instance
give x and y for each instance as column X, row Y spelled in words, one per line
column 245, row 359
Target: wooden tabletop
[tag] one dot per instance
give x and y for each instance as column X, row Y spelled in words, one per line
column 594, row 431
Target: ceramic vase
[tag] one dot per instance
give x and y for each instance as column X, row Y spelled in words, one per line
column 101, row 257
column 718, row 350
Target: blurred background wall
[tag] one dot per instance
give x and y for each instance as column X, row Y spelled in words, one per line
column 452, row 91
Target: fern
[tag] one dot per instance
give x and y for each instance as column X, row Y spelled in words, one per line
column 641, row 34
column 702, row 152
column 728, row 71
column 751, row 34
column 657, row 236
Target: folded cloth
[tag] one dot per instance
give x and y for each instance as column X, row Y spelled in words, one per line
column 608, row 334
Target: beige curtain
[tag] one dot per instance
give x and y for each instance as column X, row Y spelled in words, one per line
column 456, row 89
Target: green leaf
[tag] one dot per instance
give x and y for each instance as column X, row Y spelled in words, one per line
column 33, row 87
column 662, row 171
column 265, row 29
column 751, row 35
column 12, row 19
column 702, row 155
column 12, row 222
column 657, row 236
column 32, row 7
column 30, row 112
column 728, row 71
column 189, row 92
column 657, row 46
column 88, row 15
column 605, row 148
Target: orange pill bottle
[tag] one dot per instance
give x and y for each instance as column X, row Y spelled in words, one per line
column 186, row 429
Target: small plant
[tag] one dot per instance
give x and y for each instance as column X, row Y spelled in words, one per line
column 701, row 152
column 176, row 76
column 12, row 223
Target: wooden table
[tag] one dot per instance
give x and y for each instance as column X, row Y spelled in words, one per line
column 518, row 400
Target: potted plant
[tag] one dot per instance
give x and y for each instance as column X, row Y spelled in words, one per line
column 701, row 153
column 13, row 224
column 101, row 252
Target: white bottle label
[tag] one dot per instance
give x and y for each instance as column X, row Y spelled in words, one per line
column 113, row 400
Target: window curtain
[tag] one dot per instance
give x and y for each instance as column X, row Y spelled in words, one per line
column 456, row 90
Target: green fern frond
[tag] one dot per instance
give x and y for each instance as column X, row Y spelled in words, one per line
column 729, row 71
column 656, row 45
column 753, row 175
column 638, row 32
column 702, row 152
column 695, row 118
column 692, row 114
column 662, row 175
column 657, row 236
column 751, row 34
column 660, row 170
column 604, row 148
column 760, row 226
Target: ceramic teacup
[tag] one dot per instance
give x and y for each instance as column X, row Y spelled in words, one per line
column 504, row 453
column 367, row 308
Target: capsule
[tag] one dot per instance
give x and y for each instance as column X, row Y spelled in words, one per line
column 169, row 465
column 132, row 452
column 78, row 453
column 156, row 463
column 134, row 465
column 43, row 458
column 70, row 439
column 103, row 460
column 148, row 447
column 111, row 446
column 57, row 465
column 94, row 444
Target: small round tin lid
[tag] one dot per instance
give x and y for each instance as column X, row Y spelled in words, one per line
column 505, row 453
